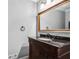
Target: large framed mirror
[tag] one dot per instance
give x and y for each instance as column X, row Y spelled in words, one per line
column 55, row 18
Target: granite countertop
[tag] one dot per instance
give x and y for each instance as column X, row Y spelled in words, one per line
column 53, row 43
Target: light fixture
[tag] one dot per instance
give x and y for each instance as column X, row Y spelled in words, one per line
column 52, row 0
column 36, row 1
column 39, row 1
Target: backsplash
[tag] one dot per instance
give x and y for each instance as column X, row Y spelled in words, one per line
column 64, row 34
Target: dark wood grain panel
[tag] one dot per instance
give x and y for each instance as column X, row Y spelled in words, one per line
column 40, row 50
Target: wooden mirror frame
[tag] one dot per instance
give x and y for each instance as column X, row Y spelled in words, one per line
column 38, row 16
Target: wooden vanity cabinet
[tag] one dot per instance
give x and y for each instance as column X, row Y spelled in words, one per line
column 40, row 50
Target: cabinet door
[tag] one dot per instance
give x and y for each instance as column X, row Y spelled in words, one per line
column 47, row 51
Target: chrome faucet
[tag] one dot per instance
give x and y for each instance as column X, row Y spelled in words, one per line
column 48, row 35
column 51, row 36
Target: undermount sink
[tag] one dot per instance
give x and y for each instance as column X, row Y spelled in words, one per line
column 45, row 39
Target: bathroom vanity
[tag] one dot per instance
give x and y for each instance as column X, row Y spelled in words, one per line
column 47, row 48
column 55, row 18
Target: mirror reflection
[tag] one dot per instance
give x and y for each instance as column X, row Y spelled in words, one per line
column 56, row 19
